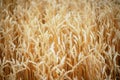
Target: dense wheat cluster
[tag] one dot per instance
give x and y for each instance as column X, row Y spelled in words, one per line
column 59, row 40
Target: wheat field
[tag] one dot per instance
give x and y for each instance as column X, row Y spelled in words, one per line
column 59, row 40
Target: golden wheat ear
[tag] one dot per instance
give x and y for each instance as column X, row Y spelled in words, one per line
column 59, row 40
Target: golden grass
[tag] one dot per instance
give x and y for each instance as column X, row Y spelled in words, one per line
column 59, row 40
